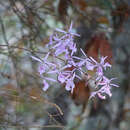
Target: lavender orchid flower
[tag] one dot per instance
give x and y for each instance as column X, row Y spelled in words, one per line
column 64, row 45
column 106, row 86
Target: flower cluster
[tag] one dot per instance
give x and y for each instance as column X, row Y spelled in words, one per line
column 61, row 50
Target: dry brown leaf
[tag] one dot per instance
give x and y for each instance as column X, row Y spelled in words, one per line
column 62, row 8
column 81, row 94
column 99, row 46
column 80, row 4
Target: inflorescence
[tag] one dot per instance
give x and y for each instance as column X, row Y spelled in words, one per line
column 61, row 50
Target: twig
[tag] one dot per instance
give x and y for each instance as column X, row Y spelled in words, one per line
column 55, row 105
column 33, row 126
column 50, row 103
column 14, row 65
column 21, row 48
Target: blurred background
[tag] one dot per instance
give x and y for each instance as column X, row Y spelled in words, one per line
column 25, row 28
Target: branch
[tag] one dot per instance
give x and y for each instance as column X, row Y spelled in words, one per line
column 32, row 126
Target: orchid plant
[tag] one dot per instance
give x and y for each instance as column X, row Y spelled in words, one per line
column 62, row 49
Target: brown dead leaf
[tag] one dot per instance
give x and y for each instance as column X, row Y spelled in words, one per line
column 99, row 46
column 62, row 8
column 81, row 93
column 80, row 4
